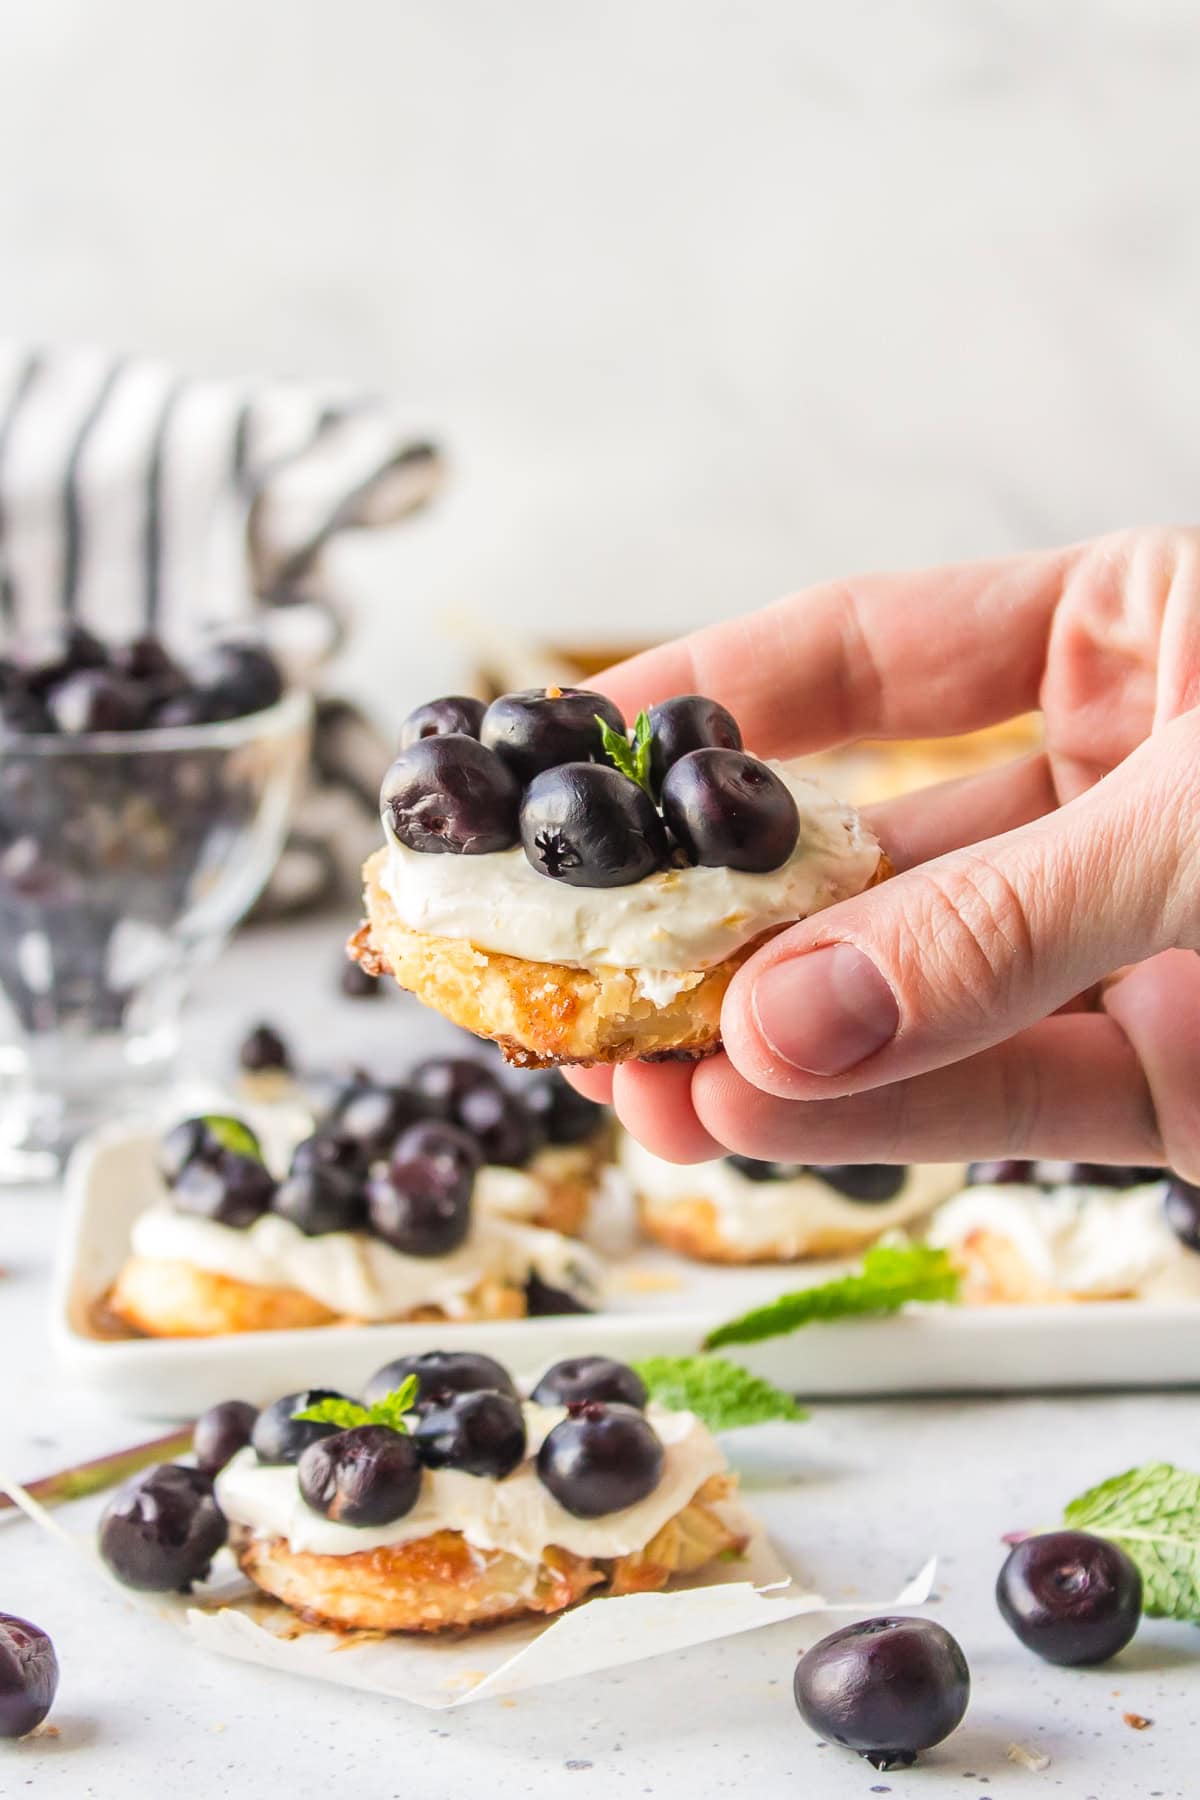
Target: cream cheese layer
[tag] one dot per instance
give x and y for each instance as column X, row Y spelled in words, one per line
column 783, row 1218
column 678, row 921
column 1088, row 1241
column 355, row 1273
column 516, row 1514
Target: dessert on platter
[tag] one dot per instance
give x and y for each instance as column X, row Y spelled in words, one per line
column 740, row 1210
column 378, row 1218
column 444, row 1500
column 1046, row 1233
column 583, row 895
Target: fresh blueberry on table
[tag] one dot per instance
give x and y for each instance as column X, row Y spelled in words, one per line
column 28, row 1676
column 161, row 1530
column 886, row 1688
column 1071, row 1597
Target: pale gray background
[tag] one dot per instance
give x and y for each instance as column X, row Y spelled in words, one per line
column 707, row 299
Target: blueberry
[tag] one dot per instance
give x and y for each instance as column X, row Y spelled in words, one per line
column 753, row 1169
column 221, row 1432
column 450, row 796
column 453, row 715
column 439, row 1373
column 161, row 1530
column 375, row 1115
column 203, row 1140
column 1181, row 1208
column 1002, row 1173
column 355, row 981
column 279, row 1437
column 146, row 661
column 28, row 1676
column 368, row 1475
column 590, row 1378
column 10, row 675
column 229, row 1190
column 441, row 1082
column 96, row 700
column 540, row 728
column 1103, row 1175
column 589, row 826
column 236, row 678
column 564, row 1116
column 1071, row 1597
column 329, row 1149
column 887, row 1688
column 500, row 1123
column 870, row 1183
column 61, row 652
column 264, row 1048
column 191, row 706
column 421, row 1203
column 542, row 1301
column 22, row 713
column 686, row 723
column 730, row 811
column 479, row 1433
column 600, row 1459
column 318, row 1201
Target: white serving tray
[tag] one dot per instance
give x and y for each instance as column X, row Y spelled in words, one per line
column 658, row 1304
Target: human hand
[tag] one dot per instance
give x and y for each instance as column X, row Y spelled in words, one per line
column 922, row 1020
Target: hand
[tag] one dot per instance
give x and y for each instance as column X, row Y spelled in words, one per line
column 924, row 1020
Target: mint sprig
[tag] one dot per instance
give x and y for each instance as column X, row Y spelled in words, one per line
column 631, row 758
column 346, row 1414
column 1153, row 1513
column 721, row 1393
column 890, row 1277
column 233, row 1134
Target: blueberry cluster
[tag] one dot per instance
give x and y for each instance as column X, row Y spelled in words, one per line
column 397, row 1160
column 869, row 1183
column 71, row 682
column 445, row 1409
column 557, row 771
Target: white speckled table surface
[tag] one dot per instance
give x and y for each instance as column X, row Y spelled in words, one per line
column 854, row 1498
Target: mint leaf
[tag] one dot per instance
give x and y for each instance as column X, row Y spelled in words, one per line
column 391, row 1409
column 1153, row 1513
column 632, row 759
column 719, row 1392
column 343, row 1413
column 890, row 1277
column 233, row 1135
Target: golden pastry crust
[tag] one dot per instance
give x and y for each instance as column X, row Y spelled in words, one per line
column 178, row 1300
column 568, row 1176
column 692, row 1227
column 545, row 1014
column 442, row 1583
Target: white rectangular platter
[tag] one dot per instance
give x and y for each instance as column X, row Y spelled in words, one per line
column 658, row 1304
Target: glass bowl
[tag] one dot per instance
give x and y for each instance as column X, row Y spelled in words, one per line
column 126, row 859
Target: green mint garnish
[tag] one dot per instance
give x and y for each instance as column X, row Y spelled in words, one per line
column 719, row 1392
column 633, row 759
column 233, row 1135
column 345, row 1414
column 1153, row 1513
column 890, row 1277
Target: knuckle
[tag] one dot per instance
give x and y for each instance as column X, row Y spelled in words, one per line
column 969, row 930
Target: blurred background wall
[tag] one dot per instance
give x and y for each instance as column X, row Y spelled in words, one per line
column 706, row 300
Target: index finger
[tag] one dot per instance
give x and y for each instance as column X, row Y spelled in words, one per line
column 925, row 654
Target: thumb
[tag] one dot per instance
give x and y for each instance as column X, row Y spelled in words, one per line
column 961, row 953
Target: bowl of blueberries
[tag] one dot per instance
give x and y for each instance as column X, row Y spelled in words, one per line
column 144, row 799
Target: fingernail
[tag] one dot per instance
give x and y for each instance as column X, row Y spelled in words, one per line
column 825, row 1012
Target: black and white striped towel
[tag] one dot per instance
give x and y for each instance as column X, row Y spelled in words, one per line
column 133, row 498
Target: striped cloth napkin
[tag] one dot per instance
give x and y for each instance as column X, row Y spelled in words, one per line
column 133, row 498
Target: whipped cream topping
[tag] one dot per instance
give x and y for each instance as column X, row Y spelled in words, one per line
column 783, row 1218
column 517, row 1514
column 1090, row 1241
column 358, row 1275
column 677, row 921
